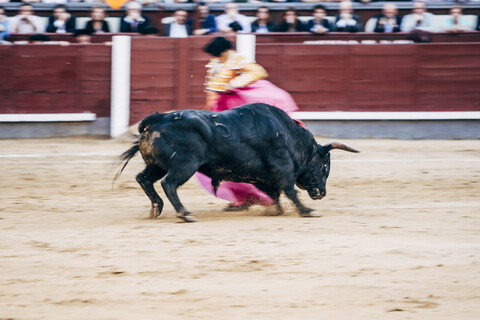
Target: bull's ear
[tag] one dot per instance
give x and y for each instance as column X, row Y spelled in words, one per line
column 336, row 145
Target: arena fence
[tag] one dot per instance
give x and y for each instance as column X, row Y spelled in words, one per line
column 168, row 74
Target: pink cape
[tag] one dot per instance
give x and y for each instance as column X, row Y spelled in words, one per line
column 260, row 91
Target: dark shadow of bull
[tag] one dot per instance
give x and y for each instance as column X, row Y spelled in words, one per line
column 255, row 143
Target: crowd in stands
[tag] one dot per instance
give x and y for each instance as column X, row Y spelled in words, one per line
column 181, row 24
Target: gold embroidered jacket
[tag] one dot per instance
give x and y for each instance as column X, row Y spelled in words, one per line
column 236, row 71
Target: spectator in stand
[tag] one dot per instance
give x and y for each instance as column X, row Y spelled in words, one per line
column 98, row 24
column 181, row 27
column 3, row 24
column 418, row 19
column 133, row 21
column 83, row 36
column 456, row 22
column 232, row 21
column 319, row 24
column 290, row 22
column 263, row 24
column 389, row 20
column 26, row 21
column 346, row 20
column 205, row 22
column 61, row 21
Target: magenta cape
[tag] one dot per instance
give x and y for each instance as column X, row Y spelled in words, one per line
column 260, row 91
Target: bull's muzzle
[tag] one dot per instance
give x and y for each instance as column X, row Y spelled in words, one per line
column 316, row 194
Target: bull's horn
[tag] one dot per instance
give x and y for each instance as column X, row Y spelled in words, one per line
column 339, row 145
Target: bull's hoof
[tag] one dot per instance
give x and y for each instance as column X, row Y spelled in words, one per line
column 186, row 217
column 233, row 207
column 155, row 211
column 274, row 211
column 311, row 214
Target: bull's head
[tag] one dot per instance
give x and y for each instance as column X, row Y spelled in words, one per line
column 314, row 177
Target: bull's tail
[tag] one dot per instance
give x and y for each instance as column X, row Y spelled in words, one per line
column 127, row 155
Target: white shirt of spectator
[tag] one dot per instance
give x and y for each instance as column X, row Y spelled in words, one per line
column 409, row 22
column 262, row 29
column 54, row 1
column 346, row 20
column 24, row 27
column 60, row 25
column 178, row 30
column 224, row 20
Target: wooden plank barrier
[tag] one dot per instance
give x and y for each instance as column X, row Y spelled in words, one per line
column 169, row 73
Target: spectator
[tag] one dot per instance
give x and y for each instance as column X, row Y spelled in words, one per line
column 389, row 20
column 456, row 22
column 205, row 22
column 418, row 19
column 3, row 24
column 83, row 36
column 98, row 24
column 26, row 21
column 290, row 22
column 346, row 20
column 232, row 21
column 181, row 27
column 61, row 21
column 319, row 24
column 263, row 24
column 133, row 21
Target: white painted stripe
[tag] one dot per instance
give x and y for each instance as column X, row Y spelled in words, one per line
column 341, row 115
column 408, row 160
column 50, row 155
column 139, row 159
column 69, row 161
column 48, row 117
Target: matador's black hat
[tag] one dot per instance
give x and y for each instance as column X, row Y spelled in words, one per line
column 217, row 46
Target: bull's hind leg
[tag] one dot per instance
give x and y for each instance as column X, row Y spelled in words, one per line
column 146, row 179
column 291, row 193
column 175, row 178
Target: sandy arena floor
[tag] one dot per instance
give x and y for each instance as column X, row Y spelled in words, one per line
column 399, row 239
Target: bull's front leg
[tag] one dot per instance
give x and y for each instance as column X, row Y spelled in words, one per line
column 291, row 193
column 174, row 179
column 146, row 179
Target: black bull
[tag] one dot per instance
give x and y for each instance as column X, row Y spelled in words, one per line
column 255, row 143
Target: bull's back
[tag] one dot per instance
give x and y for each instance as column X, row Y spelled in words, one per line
column 236, row 135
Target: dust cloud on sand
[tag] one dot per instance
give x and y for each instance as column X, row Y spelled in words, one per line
column 399, row 239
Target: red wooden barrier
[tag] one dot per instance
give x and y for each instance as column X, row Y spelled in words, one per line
column 55, row 79
column 169, row 73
